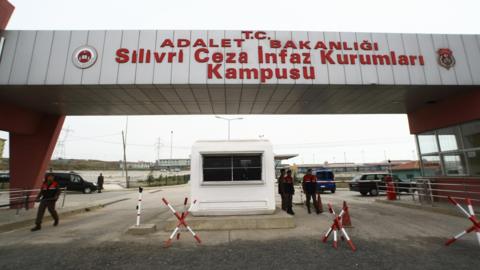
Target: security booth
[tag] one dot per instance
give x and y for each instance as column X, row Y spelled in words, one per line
column 234, row 177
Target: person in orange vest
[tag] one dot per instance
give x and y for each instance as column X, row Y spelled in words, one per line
column 310, row 189
column 280, row 188
column 288, row 191
column 47, row 197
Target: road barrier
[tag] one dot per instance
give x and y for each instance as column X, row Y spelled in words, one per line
column 470, row 214
column 336, row 227
column 139, row 205
column 181, row 222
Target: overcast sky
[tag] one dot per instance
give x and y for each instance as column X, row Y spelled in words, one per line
column 319, row 138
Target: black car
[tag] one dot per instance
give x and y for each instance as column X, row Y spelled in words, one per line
column 4, row 178
column 74, row 182
column 373, row 183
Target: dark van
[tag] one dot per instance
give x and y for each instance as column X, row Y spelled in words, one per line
column 73, row 182
column 325, row 180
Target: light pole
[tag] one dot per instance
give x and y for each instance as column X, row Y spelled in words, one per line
column 229, row 120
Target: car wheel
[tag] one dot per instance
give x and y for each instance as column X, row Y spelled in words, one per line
column 374, row 192
column 87, row 190
column 332, row 190
column 364, row 193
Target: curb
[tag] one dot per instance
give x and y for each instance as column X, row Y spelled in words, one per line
column 439, row 210
column 30, row 221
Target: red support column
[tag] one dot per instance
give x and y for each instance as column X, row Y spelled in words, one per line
column 33, row 137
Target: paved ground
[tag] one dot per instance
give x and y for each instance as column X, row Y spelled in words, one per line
column 387, row 237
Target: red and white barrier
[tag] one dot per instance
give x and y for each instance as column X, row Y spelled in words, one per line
column 337, row 227
column 470, row 214
column 181, row 222
column 139, row 205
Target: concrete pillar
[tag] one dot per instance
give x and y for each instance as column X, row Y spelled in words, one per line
column 33, row 137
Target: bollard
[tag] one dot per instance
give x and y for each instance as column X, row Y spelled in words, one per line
column 391, row 194
column 139, row 205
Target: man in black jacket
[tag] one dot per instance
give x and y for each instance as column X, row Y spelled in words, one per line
column 280, row 188
column 47, row 197
column 100, row 183
column 288, row 191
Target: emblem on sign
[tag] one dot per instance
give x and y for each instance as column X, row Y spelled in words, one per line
column 84, row 57
column 445, row 58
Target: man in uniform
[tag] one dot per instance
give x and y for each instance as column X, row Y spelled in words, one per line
column 280, row 188
column 310, row 189
column 100, row 183
column 47, row 197
column 288, row 191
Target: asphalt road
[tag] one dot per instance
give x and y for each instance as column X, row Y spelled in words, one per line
column 387, row 237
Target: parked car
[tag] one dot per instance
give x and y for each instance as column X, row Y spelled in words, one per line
column 74, row 182
column 325, row 176
column 4, row 177
column 374, row 183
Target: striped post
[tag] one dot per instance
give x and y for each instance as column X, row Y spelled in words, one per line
column 139, row 205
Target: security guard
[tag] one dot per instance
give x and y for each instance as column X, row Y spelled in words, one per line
column 280, row 188
column 310, row 189
column 47, row 197
column 288, row 191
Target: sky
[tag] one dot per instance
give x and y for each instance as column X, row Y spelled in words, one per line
column 316, row 138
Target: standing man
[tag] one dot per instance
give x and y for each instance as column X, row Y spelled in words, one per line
column 100, row 183
column 310, row 189
column 280, row 188
column 47, row 197
column 288, row 191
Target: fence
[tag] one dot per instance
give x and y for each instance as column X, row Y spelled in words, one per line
column 422, row 190
column 23, row 198
column 430, row 191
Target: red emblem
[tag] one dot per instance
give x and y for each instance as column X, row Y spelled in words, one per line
column 445, row 58
column 84, row 56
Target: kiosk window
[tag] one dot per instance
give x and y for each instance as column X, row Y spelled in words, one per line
column 247, row 167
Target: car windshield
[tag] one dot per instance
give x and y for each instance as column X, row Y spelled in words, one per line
column 324, row 175
column 357, row 177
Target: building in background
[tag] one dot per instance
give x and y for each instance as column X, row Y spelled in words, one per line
column 2, row 145
column 178, row 164
column 140, row 165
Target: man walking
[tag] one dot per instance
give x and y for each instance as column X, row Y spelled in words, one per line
column 288, row 191
column 47, row 197
column 100, row 183
column 310, row 189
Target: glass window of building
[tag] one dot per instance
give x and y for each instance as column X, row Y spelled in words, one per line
column 471, row 134
column 454, row 164
column 449, row 139
column 431, row 166
column 232, row 167
column 427, row 143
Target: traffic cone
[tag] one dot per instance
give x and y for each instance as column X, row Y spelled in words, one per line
column 319, row 203
column 346, row 222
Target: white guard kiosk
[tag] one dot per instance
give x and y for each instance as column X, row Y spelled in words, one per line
column 233, row 177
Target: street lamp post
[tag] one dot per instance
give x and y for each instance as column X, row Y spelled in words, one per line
column 229, row 120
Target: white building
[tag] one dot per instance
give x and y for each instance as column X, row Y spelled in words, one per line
column 232, row 177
